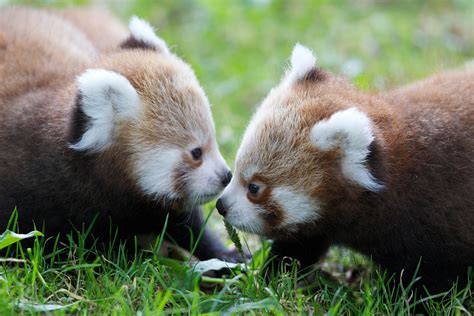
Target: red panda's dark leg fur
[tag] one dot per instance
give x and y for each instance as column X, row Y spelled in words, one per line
column 186, row 230
column 307, row 251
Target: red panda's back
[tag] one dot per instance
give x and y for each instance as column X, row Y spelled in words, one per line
column 102, row 29
column 38, row 49
column 437, row 117
column 448, row 94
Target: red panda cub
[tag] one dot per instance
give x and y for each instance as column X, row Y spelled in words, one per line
column 88, row 21
column 126, row 135
column 390, row 175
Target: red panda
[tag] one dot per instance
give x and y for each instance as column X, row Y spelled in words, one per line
column 90, row 20
column 84, row 130
column 390, row 175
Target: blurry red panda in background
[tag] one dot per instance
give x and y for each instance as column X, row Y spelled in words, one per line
column 390, row 174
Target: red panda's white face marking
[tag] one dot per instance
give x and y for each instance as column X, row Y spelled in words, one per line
column 155, row 171
column 305, row 145
column 172, row 172
column 148, row 112
column 299, row 207
column 255, row 207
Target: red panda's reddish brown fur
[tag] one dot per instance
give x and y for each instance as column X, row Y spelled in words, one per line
column 98, row 121
column 406, row 192
column 102, row 29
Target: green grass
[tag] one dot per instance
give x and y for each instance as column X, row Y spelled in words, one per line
column 74, row 279
column 239, row 50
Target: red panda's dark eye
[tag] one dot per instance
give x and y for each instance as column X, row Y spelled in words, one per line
column 196, row 153
column 253, row 188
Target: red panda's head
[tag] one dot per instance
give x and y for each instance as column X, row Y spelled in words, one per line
column 304, row 147
column 142, row 110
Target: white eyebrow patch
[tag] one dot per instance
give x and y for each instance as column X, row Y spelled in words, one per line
column 297, row 207
column 249, row 172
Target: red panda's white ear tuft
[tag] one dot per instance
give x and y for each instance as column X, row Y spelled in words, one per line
column 302, row 61
column 105, row 98
column 352, row 130
column 143, row 32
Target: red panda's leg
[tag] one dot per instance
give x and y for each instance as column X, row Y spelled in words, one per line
column 186, row 227
column 307, row 252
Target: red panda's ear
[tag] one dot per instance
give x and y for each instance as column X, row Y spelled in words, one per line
column 105, row 98
column 302, row 62
column 143, row 36
column 352, row 131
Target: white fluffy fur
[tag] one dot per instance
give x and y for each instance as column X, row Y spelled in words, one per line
column 298, row 208
column 352, row 130
column 106, row 97
column 249, row 172
column 302, row 61
column 155, row 173
column 141, row 30
column 154, row 169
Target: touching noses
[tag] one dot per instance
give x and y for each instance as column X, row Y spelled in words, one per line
column 221, row 207
column 226, row 179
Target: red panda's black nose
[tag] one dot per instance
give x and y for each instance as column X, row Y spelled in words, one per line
column 227, row 178
column 221, row 208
